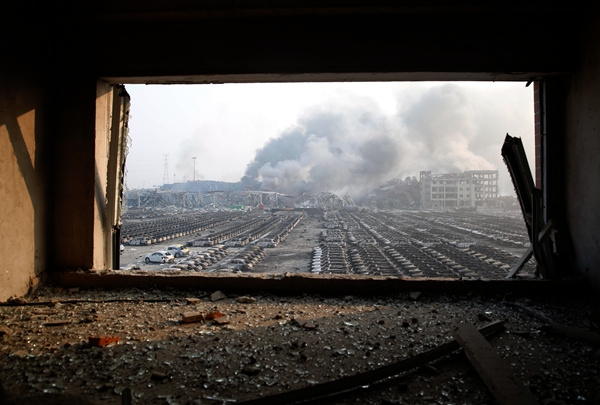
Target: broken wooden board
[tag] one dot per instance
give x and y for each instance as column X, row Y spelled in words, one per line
column 345, row 384
column 494, row 371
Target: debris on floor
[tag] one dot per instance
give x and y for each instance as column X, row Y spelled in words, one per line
column 273, row 345
column 101, row 341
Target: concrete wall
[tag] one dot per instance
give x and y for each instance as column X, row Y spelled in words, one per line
column 54, row 149
column 81, row 237
column 112, row 109
column 23, row 169
column 53, row 178
column 54, row 115
column 582, row 157
column 73, row 176
column 102, row 245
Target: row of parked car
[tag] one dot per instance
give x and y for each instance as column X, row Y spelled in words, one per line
column 151, row 231
column 211, row 259
column 214, row 255
column 244, row 261
column 201, row 260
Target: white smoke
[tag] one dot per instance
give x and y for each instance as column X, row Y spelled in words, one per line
column 353, row 147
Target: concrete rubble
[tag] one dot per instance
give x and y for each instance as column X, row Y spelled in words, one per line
column 259, row 345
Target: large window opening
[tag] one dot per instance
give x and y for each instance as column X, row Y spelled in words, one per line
column 383, row 178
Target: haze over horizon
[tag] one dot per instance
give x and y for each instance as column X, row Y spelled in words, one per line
column 336, row 137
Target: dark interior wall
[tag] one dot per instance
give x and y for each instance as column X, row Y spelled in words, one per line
column 581, row 171
column 183, row 41
column 433, row 45
column 321, row 44
column 552, row 95
column 53, row 51
column 196, row 40
column 73, row 174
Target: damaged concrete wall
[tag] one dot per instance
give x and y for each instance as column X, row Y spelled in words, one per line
column 112, row 106
column 53, row 157
column 22, row 183
column 74, row 176
column 582, row 157
column 81, row 228
column 54, row 146
column 104, row 105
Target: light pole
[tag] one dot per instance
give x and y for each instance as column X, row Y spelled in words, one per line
column 194, row 167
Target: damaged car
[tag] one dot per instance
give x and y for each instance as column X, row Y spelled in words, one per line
column 160, row 256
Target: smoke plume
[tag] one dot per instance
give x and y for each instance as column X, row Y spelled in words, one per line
column 353, row 148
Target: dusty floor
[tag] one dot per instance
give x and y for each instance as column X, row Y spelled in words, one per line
column 267, row 344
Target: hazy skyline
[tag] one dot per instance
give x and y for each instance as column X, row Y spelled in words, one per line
column 339, row 137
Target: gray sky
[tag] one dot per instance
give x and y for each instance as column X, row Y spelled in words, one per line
column 345, row 137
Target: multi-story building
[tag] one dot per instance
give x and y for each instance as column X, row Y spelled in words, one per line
column 469, row 189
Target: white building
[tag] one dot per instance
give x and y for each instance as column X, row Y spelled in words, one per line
column 473, row 188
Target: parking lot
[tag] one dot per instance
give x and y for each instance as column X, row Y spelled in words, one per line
column 400, row 243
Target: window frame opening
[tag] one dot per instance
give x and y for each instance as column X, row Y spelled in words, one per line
column 116, row 189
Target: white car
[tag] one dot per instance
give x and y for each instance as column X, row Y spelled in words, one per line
column 161, row 256
column 178, row 250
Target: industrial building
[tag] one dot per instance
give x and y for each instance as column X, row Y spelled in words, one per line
column 469, row 189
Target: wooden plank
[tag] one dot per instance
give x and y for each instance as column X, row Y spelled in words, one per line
column 349, row 383
column 494, row 371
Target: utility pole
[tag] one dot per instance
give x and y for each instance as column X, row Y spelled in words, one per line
column 166, row 170
column 194, row 167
